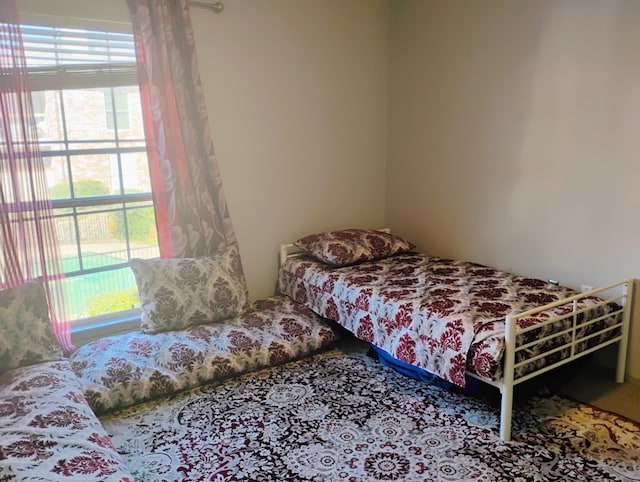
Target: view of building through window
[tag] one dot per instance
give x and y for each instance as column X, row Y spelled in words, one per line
column 89, row 121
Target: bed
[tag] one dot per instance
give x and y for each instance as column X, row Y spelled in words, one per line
column 449, row 318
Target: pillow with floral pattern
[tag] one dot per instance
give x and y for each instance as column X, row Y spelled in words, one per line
column 181, row 292
column 352, row 246
column 26, row 337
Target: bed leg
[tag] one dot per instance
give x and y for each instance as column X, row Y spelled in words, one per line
column 506, row 409
column 623, row 344
column 506, row 388
column 622, row 362
column 624, row 340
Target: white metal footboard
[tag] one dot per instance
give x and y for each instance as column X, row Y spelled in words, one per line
column 623, row 316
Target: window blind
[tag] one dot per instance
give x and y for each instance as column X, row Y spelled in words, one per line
column 78, row 58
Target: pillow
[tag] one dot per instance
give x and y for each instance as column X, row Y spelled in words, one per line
column 181, row 292
column 26, row 337
column 351, row 246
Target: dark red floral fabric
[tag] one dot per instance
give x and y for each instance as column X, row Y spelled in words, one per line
column 126, row 369
column 351, row 246
column 442, row 315
column 48, row 432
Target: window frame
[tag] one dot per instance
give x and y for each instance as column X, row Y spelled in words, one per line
column 105, row 325
column 109, row 77
column 113, row 111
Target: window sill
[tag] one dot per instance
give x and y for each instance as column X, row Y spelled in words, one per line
column 93, row 328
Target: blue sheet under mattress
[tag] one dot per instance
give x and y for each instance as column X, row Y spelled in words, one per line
column 417, row 373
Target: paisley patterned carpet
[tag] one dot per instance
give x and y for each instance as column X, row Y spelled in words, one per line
column 344, row 417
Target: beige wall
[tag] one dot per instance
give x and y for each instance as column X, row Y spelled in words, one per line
column 513, row 137
column 297, row 99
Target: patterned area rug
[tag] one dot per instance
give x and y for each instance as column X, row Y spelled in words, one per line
column 344, row 417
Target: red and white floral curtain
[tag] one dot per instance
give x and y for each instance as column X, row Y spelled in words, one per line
column 28, row 242
column 191, row 210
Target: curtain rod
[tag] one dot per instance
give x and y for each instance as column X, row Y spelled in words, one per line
column 217, row 7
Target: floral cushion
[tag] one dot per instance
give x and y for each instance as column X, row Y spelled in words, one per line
column 126, row 369
column 26, row 336
column 177, row 293
column 351, row 246
column 49, row 433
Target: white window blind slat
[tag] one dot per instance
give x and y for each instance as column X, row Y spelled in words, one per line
column 62, row 58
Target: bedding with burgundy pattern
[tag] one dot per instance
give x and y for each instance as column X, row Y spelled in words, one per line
column 123, row 370
column 49, row 429
column 48, row 432
column 444, row 316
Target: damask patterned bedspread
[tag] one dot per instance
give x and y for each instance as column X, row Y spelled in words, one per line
column 131, row 368
column 49, row 433
column 442, row 315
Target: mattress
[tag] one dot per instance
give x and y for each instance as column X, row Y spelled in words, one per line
column 442, row 315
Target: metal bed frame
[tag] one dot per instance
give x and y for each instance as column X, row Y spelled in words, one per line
column 509, row 378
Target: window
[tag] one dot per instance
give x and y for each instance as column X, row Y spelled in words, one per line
column 116, row 107
column 39, row 110
column 89, row 119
